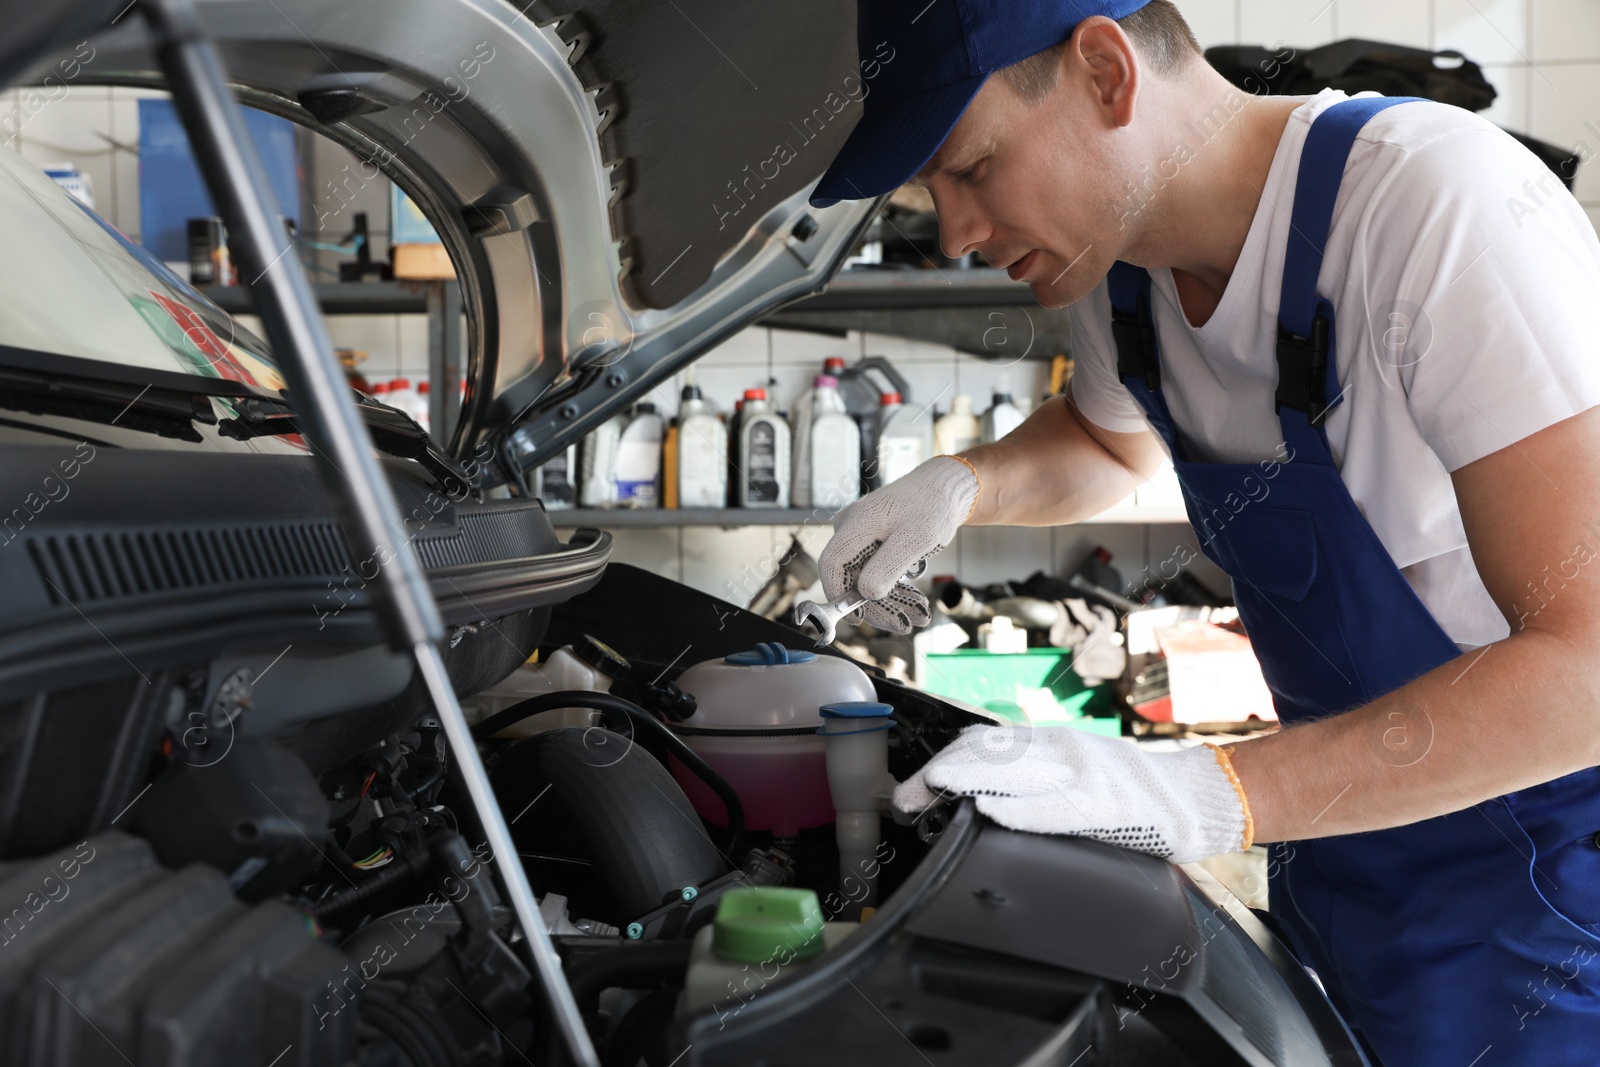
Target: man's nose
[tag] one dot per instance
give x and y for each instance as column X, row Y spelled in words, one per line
column 961, row 228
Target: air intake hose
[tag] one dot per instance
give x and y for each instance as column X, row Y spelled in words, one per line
column 615, row 711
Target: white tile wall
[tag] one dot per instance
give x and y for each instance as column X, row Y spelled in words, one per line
column 1486, row 31
column 1564, row 30
column 1292, row 22
column 68, row 123
column 1405, row 22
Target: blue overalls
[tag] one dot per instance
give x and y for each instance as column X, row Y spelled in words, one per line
column 1469, row 940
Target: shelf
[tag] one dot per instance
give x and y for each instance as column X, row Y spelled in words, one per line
column 626, row 518
column 620, row 518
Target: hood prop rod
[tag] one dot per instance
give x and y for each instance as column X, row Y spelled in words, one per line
column 345, row 457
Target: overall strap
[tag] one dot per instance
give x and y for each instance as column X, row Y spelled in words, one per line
column 1133, row 329
column 1308, row 380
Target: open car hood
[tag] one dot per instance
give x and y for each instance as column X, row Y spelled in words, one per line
column 620, row 186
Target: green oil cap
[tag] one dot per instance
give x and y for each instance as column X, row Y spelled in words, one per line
column 767, row 923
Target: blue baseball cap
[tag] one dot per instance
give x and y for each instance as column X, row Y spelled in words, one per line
column 923, row 61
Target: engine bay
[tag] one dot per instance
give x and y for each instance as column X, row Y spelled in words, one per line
column 352, row 832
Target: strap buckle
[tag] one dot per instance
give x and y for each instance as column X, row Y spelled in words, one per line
column 1302, row 368
column 1135, row 337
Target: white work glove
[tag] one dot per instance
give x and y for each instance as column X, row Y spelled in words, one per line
column 1182, row 806
column 886, row 533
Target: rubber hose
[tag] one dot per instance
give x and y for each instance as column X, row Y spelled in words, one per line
column 615, row 709
column 639, row 1033
column 427, row 783
column 422, row 1041
column 638, row 964
column 643, row 963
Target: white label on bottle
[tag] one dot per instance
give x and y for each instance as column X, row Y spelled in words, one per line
column 760, row 466
column 897, row 457
column 555, row 482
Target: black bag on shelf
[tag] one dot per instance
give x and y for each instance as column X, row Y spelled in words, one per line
column 1357, row 66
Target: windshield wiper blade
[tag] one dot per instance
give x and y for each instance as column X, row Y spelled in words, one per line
column 394, row 433
column 160, row 410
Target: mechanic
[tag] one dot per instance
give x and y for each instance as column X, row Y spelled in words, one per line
column 1363, row 330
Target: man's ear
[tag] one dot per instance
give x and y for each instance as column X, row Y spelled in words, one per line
column 1101, row 58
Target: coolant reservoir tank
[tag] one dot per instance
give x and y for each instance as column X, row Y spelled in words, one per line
column 759, row 934
column 756, row 725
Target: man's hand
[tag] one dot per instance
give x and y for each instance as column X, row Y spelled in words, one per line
column 1182, row 805
column 883, row 535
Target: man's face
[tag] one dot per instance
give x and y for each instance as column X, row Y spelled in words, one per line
column 1031, row 188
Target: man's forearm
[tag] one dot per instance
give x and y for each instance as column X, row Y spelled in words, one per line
column 1507, row 716
column 1057, row 468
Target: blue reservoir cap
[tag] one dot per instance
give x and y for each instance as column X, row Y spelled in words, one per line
column 857, row 709
column 768, row 654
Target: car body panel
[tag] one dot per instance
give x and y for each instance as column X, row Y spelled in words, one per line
column 476, row 111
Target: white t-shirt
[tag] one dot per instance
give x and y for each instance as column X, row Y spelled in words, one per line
column 1466, row 285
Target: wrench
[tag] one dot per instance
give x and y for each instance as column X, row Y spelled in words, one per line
column 826, row 617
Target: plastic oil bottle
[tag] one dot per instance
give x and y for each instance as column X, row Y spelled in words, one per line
column 763, row 454
column 801, row 418
column 833, row 446
column 901, row 440
column 599, row 485
column 639, row 459
column 1003, row 415
column 959, row 430
column 702, row 453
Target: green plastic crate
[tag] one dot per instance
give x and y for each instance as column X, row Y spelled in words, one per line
column 995, row 681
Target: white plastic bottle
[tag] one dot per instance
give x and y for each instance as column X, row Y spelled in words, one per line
column 801, row 418
column 957, row 431
column 702, row 453
column 402, row 396
column 1003, row 415
column 638, row 468
column 902, row 440
column 833, row 449
column 763, row 454
column 421, row 412
column 599, row 486
column 589, row 666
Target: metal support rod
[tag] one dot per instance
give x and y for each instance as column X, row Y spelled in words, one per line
column 322, row 397
column 234, row 175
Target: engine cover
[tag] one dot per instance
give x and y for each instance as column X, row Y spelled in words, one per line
column 106, row 957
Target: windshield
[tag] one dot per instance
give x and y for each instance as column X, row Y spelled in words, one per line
column 71, row 285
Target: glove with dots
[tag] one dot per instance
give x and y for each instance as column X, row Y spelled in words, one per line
column 889, row 532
